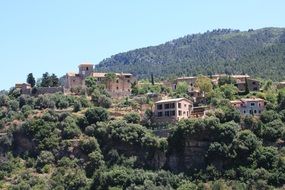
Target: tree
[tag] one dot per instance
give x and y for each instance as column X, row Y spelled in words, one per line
column 132, row 117
column 96, row 114
column 54, row 80
column 49, row 80
column 204, row 84
column 31, row 80
column 246, row 86
column 229, row 91
column 181, row 88
column 135, row 89
column 152, row 79
column 226, row 80
column 110, row 77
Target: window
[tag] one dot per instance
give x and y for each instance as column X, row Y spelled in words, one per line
column 117, row 81
column 259, row 111
column 184, row 113
column 179, row 113
column 187, row 113
column 87, row 68
column 129, row 81
column 172, row 105
column 159, row 114
column 166, row 113
column 159, row 106
column 244, row 111
column 185, row 105
column 255, row 111
column 117, row 88
column 252, row 104
column 250, row 111
column 254, row 83
column 127, row 76
column 172, row 113
column 179, row 105
column 166, row 106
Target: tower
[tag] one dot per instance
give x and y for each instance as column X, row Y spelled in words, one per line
column 85, row 69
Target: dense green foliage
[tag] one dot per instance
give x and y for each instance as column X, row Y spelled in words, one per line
column 91, row 141
column 260, row 53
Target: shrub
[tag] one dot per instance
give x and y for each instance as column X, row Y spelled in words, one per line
column 96, row 114
column 132, row 117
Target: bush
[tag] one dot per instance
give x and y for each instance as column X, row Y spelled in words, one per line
column 4, row 99
column 132, row 118
column 96, row 114
column 44, row 158
column 77, row 106
column 13, row 105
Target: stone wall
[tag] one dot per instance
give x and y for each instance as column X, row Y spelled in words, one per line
column 42, row 90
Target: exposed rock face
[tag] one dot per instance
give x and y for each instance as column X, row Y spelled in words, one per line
column 158, row 160
column 194, row 153
column 192, row 156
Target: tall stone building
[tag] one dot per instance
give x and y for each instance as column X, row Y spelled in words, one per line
column 119, row 86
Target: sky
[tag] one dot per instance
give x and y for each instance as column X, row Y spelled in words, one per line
column 55, row 36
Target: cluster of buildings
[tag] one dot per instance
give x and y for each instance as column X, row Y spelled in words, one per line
column 168, row 110
column 241, row 82
column 118, row 86
column 171, row 110
column 182, row 108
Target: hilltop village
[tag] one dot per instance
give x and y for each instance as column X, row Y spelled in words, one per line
column 114, row 131
column 168, row 106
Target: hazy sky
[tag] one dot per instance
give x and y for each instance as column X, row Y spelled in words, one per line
column 56, row 35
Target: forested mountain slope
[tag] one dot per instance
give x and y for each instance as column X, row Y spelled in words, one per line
column 256, row 52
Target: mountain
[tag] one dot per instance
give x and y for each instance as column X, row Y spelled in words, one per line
column 260, row 53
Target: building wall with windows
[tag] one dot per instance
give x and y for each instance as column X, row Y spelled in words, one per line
column 173, row 109
column 250, row 106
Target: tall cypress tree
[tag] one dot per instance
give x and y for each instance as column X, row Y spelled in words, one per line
column 31, row 79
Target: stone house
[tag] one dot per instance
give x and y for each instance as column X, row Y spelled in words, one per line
column 171, row 110
column 25, row 88
column 249, row 106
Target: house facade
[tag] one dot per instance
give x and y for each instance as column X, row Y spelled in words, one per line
column 172, row 109
column 249, row 106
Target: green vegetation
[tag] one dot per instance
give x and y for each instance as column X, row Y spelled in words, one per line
column 259, row 53
column 75, row 142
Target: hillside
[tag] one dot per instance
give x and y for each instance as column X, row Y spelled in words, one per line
column 259, row 53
